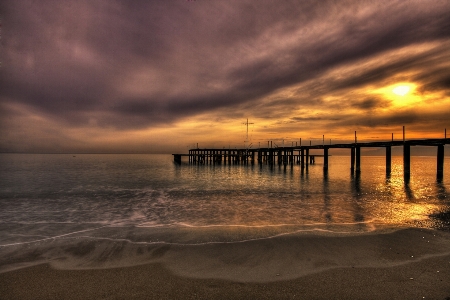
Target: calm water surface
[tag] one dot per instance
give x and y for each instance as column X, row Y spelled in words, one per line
column 148, row 198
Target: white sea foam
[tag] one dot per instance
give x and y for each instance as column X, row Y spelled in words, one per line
column 50, row 237
column 224, row 235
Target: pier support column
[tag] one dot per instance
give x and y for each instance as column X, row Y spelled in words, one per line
column 302, row 158
column 307, row 158
column 388, row 160
column 358, row 159
column 352, row 160
column 440, row 162
column 406, row 162
column 325, row 159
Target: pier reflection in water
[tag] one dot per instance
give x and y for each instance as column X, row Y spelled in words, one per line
column 336, row 196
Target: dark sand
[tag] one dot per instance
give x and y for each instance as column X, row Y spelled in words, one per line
column 409, row 264
column 412, row 281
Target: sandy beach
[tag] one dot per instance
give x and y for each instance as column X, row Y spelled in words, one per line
column 406, row 264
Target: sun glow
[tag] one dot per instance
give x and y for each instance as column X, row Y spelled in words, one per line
column 401, row 90
column 401, row 94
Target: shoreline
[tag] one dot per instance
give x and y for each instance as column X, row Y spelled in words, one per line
column 301, row 252
column 418, row 280
column 405, row 264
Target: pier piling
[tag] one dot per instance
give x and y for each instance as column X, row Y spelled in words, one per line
column 440, row 162
column 307, row 158
column 302, row 158
column 406, row 161
column 358, row 159
column 352, row 160
column 388, row 160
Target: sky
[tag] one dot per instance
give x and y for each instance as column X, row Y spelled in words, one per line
column 163, row 76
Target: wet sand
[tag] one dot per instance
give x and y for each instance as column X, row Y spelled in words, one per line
column 407, row 264
column 413, row 281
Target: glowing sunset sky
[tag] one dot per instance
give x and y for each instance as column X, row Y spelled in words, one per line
column 161, row 76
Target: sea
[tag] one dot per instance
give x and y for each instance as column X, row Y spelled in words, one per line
column 50, row 204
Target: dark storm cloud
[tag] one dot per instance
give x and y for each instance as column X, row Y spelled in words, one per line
column 369, row 103
column 437, row 80
column 78, row 61
column 410, row 117
column 391, row 29
column 430, row 67
column 370, row 120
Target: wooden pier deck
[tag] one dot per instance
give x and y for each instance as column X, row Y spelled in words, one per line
column 302, row 155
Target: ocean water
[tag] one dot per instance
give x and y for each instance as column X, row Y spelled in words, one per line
column 51, row 202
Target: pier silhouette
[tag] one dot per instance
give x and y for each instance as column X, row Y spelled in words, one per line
column 302, row 154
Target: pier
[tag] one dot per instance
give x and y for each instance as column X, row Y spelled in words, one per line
column 304, row 155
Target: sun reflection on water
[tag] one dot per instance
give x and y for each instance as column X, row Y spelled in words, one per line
column 266, row 196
